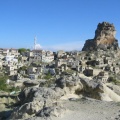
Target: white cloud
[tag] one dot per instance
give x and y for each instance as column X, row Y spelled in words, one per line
column 77, row 45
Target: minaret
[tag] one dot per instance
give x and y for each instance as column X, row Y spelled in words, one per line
column 35, row 39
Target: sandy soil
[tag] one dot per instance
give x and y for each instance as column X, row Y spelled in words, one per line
column 90, row 109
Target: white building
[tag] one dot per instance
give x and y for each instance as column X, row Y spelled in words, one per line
column 33, row 76
column 47, row 58
column 5, row 52
column 10, row 58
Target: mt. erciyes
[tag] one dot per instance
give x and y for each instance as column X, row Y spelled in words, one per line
column 104, row 38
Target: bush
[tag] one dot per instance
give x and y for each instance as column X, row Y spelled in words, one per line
column 48, row 76
column 14, row 89
column 23, row 68
column 3, row 85
column 48, row 83
column 112, row 79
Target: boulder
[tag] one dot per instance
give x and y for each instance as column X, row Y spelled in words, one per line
column 98, row 91
column 69, row 83
column 53, row 111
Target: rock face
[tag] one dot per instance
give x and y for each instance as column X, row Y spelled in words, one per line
column 104, row 38
column 35, row 101
column 98, row 91
column 69, row 84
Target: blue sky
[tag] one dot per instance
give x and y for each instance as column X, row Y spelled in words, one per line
column 58, row 24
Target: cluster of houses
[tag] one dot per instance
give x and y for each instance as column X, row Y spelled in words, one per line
column 11, row 62
column 39, row 56
column 96, row 64
column 38, row 62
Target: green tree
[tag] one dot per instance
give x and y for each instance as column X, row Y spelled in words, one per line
column 21, row 50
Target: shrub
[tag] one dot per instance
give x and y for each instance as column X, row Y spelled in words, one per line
column 3, row 85
column 112, row 79
column 48, row 76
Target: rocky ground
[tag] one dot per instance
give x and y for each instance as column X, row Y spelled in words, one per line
column 71, row 98
column 87, row 109
column 90, row 109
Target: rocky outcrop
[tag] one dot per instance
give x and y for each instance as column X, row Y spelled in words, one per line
column 29, row 83
column 98, row 91
column 33, row 100
column 6, row 103
column 104, row 38
column 55, row 110
column 45, row 103
column 87, row 88
column 69, row 84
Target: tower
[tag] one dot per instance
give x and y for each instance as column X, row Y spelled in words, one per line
column 35, row 39
column 36, row 46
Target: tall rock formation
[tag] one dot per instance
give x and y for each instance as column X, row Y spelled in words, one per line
column 104, row 38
